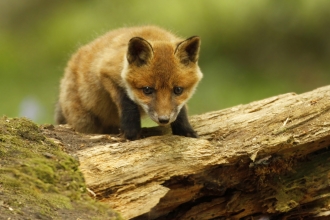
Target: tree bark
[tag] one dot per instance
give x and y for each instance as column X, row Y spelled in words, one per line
column 265, row 159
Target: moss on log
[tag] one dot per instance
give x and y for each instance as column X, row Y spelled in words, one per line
column 38, row 180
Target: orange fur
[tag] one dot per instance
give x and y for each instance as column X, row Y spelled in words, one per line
column 121, row 63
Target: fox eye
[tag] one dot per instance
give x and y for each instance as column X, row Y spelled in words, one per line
column 177, row 90
column 148, row 90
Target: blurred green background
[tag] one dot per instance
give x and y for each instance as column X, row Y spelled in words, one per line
column 250, row 49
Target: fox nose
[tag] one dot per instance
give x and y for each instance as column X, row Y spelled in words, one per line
column 163, row 119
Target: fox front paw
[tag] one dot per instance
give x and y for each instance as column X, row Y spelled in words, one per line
column 132, row 134
column 187, row 132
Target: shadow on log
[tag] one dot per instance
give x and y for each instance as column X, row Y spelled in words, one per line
column 264, row 160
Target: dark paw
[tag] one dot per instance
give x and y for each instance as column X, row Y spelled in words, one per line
column 192, row 134
column 132, row 134
column 185, row 132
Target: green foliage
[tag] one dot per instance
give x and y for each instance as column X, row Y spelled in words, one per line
column 250, row 49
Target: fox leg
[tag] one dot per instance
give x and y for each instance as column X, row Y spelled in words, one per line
column 181, row 125
column 130, row 122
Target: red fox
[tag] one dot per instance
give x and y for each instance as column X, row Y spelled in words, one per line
column 111, row 82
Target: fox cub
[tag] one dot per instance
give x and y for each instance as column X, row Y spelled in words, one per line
column 109, row 83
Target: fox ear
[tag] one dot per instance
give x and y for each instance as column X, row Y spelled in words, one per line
column 139, row 51
column 188, row 50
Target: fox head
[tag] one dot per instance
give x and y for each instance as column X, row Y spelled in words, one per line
column 161, row 76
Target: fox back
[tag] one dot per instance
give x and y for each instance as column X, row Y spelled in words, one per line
column 111, row 82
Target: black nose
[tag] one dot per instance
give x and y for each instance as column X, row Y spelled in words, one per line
column 163, row 119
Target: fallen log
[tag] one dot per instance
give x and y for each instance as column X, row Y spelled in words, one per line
column 265, row 159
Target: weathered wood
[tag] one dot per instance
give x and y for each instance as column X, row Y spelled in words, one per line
column 266, row 158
